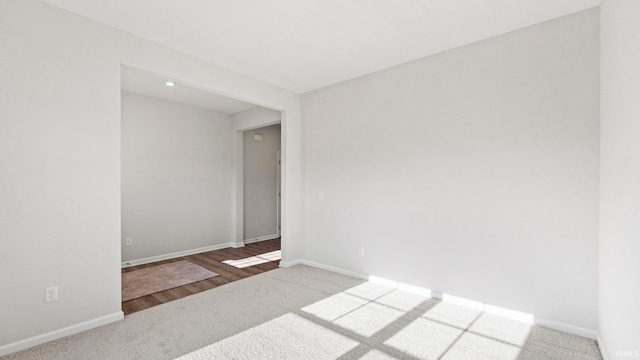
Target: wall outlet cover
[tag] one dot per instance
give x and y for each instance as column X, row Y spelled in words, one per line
column 51, row 294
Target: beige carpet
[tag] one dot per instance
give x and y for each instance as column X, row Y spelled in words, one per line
column 139, row 283
column 306, row 313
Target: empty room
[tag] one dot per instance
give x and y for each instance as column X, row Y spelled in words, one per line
column 385, row 179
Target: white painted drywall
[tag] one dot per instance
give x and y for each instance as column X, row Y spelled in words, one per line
column 473, row 172
column 619, row 315
column 260, row 182
column 60, row 162
column 255, row 117
column 177, row 167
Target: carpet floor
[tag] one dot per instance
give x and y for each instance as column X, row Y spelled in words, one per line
column 307, row 313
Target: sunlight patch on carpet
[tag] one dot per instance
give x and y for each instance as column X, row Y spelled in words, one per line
column 369, row 319
column 376, row 355
column 341, row 304
column 503, row 329
column 404, row 320
column 411, row 339
column 454, row 315
column 334, row 307
column 286, row 337
column 477, row 347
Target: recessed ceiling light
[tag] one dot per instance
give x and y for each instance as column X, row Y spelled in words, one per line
column 170, row 83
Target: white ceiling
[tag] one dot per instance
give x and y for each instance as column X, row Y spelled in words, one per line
column 146, row 83
column 303, row 45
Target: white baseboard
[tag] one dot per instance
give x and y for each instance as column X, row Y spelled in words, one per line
column 285, row 264
column 60, row 333
column 571, row 329
column 334, row 269
column 262, row 238
column 509, row 313
column 601, row 347
column 175, row 254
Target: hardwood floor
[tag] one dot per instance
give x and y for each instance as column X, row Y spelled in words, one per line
column 211, row 260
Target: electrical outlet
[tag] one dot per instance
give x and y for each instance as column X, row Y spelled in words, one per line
column 256, row 224
column 129, row 241
column 361, row 250
column 51, row 294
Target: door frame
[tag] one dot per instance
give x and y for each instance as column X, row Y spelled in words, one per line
column 238, row 203
column 278, row 188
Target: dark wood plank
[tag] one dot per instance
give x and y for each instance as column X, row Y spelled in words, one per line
column 211, row 260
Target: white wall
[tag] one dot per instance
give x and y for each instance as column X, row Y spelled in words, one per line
column 619, row 316
column 260, row 182
column 60, row 163
column 255, row 117
column 177, row 167
column 473, row 172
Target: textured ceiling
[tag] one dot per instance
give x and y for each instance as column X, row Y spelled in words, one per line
column 303, row 45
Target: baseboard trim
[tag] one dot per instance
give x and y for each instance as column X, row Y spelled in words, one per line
column 286, row 264
column 173, row 255
column 571, row 329
column 60, row 333
column 601, row 347
column 262, row 238
column 509, row 313
column 334, row 269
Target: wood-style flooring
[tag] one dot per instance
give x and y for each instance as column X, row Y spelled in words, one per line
column 211, row 260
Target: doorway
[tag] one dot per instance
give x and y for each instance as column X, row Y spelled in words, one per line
column 178, row 156
column 261, row 190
